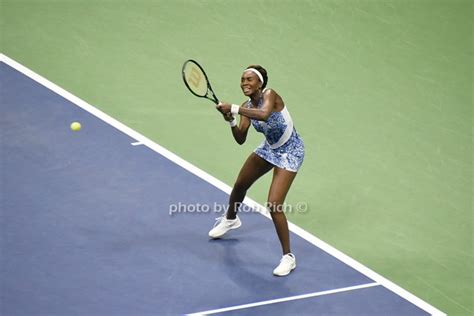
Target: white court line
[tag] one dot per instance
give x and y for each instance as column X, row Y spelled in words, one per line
column 136, row 144
column 285, row 299
column 222, row 186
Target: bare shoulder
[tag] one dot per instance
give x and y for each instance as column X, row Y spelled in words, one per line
column 269, row 92
column 274, row 97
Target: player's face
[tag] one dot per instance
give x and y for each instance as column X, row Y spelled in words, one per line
column 249, row 83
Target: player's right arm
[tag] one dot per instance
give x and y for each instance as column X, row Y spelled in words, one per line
column 239, row 131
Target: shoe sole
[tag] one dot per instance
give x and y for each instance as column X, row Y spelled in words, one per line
column 217, row 237
column 282, row 275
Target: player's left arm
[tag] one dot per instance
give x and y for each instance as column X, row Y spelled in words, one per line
column 260, row 114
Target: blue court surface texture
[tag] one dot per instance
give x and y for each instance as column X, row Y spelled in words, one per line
column 86, row 230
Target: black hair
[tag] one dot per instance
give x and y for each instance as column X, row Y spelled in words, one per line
column 263, row 72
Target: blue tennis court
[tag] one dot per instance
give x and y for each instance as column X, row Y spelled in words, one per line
column 87, row 228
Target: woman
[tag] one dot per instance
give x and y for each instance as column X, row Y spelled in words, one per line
column 282, row 150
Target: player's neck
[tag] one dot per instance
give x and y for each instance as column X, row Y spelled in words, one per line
column 255, row 98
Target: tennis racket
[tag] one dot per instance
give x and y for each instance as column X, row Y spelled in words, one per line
column 197, row 82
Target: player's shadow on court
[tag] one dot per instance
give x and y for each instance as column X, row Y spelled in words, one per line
column 249, row 273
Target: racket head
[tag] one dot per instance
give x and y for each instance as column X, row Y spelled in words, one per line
column 196, row 80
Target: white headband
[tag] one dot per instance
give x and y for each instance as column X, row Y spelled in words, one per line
column 255, row 71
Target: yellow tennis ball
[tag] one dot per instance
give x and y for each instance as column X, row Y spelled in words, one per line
column 75, row 126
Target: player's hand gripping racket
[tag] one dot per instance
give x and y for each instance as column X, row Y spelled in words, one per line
column 197, row 82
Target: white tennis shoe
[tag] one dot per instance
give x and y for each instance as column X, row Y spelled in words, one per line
column 223, row 225
column 287, row 264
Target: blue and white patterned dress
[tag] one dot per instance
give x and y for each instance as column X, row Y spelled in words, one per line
column 282, row 147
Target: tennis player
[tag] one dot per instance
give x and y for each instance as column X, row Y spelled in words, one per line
column 282, row 150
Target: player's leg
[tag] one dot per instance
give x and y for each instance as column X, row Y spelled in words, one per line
column 253, row 168
column 281, row 183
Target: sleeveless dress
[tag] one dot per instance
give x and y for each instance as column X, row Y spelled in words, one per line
column 282, row 147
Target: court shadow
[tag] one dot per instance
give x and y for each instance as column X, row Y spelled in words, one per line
column 252, row 275
column 225, row 241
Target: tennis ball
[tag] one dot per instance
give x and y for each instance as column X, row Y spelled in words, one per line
column 75, row 126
